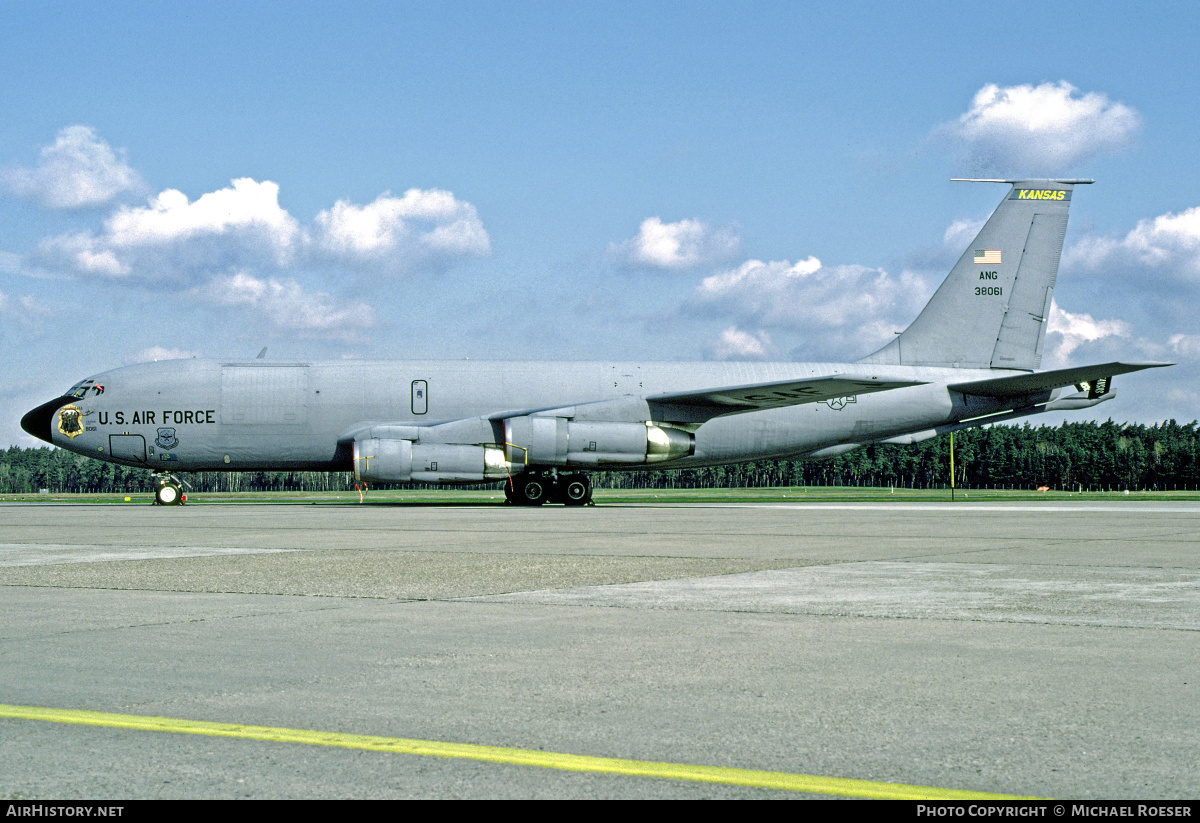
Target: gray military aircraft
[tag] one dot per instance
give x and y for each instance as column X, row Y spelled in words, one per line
column 969, row 358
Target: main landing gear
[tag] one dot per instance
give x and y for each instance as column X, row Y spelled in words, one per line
column 536, row 488
column 168, row 490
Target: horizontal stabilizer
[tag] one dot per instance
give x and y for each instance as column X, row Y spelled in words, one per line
column 698, row 406
column 1019, row 385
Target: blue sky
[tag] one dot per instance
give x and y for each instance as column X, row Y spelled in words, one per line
column 579, row 181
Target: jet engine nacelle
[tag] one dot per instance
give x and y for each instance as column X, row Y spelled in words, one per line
column 384, row 460
column 555, row 441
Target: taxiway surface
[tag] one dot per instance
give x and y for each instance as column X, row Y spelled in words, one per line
column 1049, row 650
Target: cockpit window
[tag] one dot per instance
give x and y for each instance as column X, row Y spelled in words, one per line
column 80, row 390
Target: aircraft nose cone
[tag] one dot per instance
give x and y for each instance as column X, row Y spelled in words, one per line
column 37, row 422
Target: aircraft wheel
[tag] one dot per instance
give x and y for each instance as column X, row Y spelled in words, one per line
column 168, row 494
column 533, row 491
column 510, row 492
column 577, row 491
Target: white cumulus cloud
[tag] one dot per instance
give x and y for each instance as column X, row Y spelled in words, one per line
column 243, row 227
column 171, row 218
column 177, row 239
column 77, row 171
column 1045, row 129
column 754, row 279
column 288, row 306
column 1065, row 332
column 834, row 310
column 1169, row 242
column 397, row 231
column 238, row 247
column 735, row 344
column 682, row 245
column 1185, row 345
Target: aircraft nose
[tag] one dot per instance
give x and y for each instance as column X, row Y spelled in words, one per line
column 37, row 422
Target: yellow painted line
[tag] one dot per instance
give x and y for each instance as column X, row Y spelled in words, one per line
column 498, row 754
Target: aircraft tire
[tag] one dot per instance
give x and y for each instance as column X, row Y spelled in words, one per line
column 168, row 494
column 576, row 490
column 532, row 491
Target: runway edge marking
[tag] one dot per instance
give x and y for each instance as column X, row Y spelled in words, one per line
column 497, row 754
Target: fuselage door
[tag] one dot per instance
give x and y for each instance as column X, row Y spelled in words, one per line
column 420, row 397
column 127, row 447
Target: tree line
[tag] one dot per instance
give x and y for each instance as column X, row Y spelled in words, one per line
column 1086, row 456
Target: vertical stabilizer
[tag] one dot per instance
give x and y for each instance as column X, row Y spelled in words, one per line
column 991, row 310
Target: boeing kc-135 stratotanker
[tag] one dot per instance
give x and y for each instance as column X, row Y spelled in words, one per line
column 970, row 358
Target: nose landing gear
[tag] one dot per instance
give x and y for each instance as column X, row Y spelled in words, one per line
column 168, row 490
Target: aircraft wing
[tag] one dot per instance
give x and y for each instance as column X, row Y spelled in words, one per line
column 699, row 406
column 1019, row 385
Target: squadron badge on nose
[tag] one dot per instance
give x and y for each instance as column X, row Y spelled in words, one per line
column 69, row 421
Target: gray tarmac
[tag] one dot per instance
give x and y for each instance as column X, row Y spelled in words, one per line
column 1034, row 649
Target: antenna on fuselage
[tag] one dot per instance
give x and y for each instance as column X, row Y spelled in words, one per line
column 262, row 354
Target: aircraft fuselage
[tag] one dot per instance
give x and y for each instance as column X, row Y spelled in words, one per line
column 204, row 415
